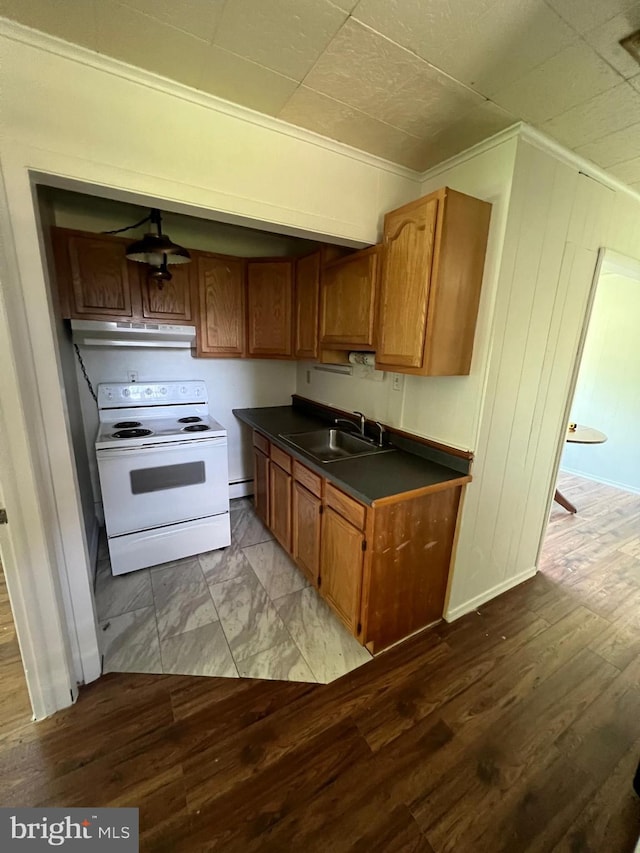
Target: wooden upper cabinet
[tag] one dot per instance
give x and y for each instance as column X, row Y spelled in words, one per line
column 347, row 301
column 409, row 242
column 433, row 261
column 94, row 278
column 270, row 308
column 307, row 297
column 221, row 328
column 171, row 302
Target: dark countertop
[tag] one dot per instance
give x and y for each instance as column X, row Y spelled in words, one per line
column 366, row 478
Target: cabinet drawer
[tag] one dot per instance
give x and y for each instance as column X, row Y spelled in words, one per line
column 345, row 506
column 281, row 458
column 308, row 479
column 261, row 442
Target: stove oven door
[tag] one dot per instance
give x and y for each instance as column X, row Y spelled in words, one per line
column 161, row 484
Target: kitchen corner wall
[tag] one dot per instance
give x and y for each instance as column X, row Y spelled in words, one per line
column 447, row 408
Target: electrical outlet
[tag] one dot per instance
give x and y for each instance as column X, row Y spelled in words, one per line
column 397, row 381
column 308, row 377
column 132, row 375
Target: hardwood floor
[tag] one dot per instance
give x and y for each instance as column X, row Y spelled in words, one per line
column 515, row 728
column 15, row 707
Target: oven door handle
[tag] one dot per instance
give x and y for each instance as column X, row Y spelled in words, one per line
column 192, row 444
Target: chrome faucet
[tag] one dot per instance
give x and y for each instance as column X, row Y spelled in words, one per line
column 381, row 430
column 362, row 418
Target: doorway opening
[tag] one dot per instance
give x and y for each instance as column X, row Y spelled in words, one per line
column 592, row 542
column 246, row 611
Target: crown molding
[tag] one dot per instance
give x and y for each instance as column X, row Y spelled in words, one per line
column 511, row 132
column 535, row 137
column 99, row 61
column 540, row 140
column 520, row 130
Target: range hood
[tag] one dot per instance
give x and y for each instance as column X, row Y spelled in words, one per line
column 99, row 333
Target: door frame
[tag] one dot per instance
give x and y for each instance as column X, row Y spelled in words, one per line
column 26, row 545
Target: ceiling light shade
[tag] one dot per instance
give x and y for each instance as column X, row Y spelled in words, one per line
column 157, row 249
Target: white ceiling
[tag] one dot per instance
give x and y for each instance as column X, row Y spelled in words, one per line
column 414, row 81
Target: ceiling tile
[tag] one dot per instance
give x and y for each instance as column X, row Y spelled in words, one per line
column 198, row 17
column 284, row 35
column 478, row 124
column 570, row 78
column 72, row 20
column 606, row 37
column 608, row 112
column 244, row 82
column 374, row 75
column 345, row 5
column 613, row 148
column 331, row 118
column 583, row 15
column 427, row 102
column 508, row 41
column 628, row 171
column 135, row 38
column 426, row 28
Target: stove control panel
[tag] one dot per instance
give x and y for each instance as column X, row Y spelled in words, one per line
column 115, row 395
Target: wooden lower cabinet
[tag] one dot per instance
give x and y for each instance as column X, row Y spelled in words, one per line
column 305, row 550
column 261, row 484
column 383, row 567
column 341, row 567
column 280, row 505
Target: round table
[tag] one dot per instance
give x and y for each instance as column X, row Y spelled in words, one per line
column 579, row 434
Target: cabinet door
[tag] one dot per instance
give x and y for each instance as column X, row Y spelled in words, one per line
column 341, row 564
column 168, row 301
column 409, row 239
column 347, row 302
column 307, row 295
column 221, row 311
column 280, row 505
column 261, row 484
column 98, row 278
column 306, row 532
column 270, row 308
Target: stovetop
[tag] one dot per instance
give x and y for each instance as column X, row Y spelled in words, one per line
column 136, row 415
column 155, row 431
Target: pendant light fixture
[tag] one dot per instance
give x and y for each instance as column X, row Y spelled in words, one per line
column 158, row 251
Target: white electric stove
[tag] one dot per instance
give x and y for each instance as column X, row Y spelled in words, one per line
column 162, row 461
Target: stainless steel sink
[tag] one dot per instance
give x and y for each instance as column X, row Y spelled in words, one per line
column 331, row 445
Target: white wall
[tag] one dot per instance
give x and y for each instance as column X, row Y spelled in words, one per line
column 91, row 124
column 231, row 384
column 558, row 219
column 448, row 408
column 607, row 395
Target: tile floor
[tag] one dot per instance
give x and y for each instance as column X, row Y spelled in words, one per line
column 244, row 611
